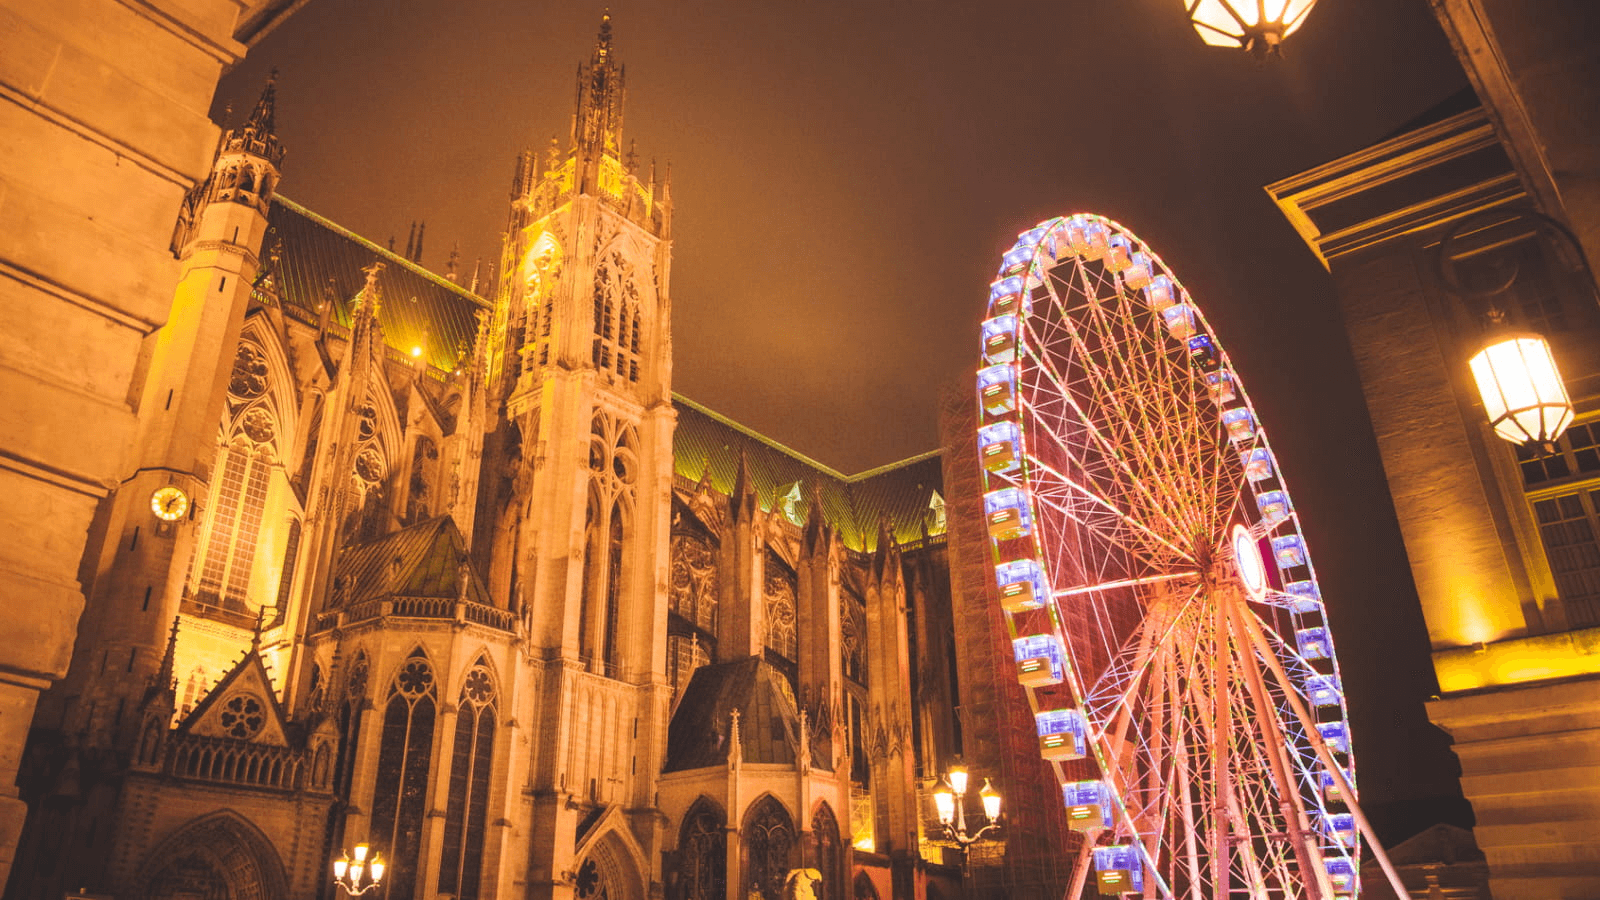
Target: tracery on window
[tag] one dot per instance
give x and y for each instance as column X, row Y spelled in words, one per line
column 768, row 849
column 779, row 592
column 404, row 763
column 248, row 379
column 471, row 766
column 703, row 855
column 243, row 716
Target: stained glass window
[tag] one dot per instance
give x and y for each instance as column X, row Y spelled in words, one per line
column 471, row 763
column 399, row 800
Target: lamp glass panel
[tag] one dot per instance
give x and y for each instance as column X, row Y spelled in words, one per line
column 1217, row 16
column 945, row 802
column 1521, row 389
column 958, row 780
column 991, row 805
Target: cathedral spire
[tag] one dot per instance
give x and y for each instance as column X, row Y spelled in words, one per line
column 263, row 118
column 258, row 136
column 597, row 122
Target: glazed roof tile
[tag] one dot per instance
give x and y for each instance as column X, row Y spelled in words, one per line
column 318, row 261
column 709, row 443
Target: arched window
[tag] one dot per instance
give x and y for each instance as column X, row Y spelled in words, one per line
column 703, row 854
column 471, row 762
column 825, row 853
column 228, row 550
column 291, row 555
column 853, row 637
column 308, row 460
column 782, row 636
column 691, row 607
column 586, row 601
column 399, row 800
column 350, row 715
column 613, row 611
column 768, row 849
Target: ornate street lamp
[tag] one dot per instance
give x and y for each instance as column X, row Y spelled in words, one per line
column 1258, row 26
column 1515, row 372
column 347, row 872
column 950, row 801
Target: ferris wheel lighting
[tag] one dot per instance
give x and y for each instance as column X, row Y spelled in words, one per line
column 1323, row 690
column 1007, row 513
column 1040, row 660
column 1021, row 586
column 1088, row 805
column 1341, row 827
column 1063, row 734
column 1330, row 787
column 1303, row 597
column 1289, row 551
column 1118, row 870
column 1336, row 735
column 1313, row 643
column 1241, row 425
column 1119, row 253
column 1342, row 873
column 1160, row 293
column 997, row 390
column 997, row 445
column 1069, row 378
column 1000, row 339
column 1257, row 463
column 1180, row 321
column 1522, row 390
column 1274, row 507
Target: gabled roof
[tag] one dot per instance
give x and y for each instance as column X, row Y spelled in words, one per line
column 318, row 262
column 242, row 706
column 708, row 444
column 427, row 559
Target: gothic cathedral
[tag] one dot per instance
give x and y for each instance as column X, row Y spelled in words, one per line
column 448, row 569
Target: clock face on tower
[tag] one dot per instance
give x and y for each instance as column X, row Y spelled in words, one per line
column 170, row 502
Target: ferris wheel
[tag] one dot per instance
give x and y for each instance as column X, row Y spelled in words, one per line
column 1161, row 599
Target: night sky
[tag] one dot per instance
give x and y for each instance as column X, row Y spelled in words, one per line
column 845, row 175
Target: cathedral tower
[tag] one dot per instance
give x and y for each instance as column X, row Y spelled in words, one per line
column 142, row 542
column 574, row 501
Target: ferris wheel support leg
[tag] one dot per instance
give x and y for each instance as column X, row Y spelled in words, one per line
column 1080, row 871
column 1290, row 805
column 1265, row 651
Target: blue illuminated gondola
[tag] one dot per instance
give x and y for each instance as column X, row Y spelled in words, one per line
column 1088, row 805
column 1118, row 870
column 1303, row 597
column 997, row 390
column 1257, row 464
column 1022, row 585
column 1313, row 643
column 1323, row 690
column 1289, row 550
column 1041, row 660
column 1342, row 874
column 1000, row 339
column 1007, row 513
column 1063, row 734
column 1274, row 507
column 1336, row 735
column 1009, row 297
column 1000, row 446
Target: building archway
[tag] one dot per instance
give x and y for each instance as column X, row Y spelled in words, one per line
column 221, row 856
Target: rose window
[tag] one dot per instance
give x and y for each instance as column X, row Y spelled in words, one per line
column 249, row 378
column 416, row 678
column 243, row 716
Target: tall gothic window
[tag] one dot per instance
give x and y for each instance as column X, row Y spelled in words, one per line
column 782, row 641
column 768, row 849
column 471, row 761
column 825, row 853
column 291, row 555
column 703, row 854
column 399, row 801
column 613, row 652
column 228, row 551
column 692, row 607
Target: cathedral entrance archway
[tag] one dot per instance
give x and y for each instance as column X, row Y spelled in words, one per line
column 221, row 856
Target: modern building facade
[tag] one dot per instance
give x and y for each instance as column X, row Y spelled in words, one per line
column 448, row 569
column 1429, row 235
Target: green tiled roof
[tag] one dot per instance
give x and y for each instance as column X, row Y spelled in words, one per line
column 319, row 261
column 851, row 504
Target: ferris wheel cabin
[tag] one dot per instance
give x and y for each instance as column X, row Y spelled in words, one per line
column 1118, row 870
column 1088, row 805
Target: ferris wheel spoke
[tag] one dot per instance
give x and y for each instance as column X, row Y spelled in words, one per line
column 1093, row 496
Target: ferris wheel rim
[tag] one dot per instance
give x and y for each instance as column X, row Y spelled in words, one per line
column 1231, row 531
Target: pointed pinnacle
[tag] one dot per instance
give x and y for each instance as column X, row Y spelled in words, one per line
column 263, row 119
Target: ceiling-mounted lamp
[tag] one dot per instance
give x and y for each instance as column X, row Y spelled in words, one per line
column 1258, row 26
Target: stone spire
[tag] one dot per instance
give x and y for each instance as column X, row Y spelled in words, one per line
column 258, row 135
column 597, row 123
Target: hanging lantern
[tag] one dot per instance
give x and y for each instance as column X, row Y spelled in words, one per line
column 1255, row 25
column 1522, row 390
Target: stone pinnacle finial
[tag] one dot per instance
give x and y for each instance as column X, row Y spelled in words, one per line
column 255, row 635
column 263, row 118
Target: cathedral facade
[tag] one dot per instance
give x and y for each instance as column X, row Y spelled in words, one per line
column 450, row 570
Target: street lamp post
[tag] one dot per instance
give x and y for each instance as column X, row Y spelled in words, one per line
column 950, row 801
column 359, row 875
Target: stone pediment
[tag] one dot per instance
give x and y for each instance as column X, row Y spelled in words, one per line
column 241, row 707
